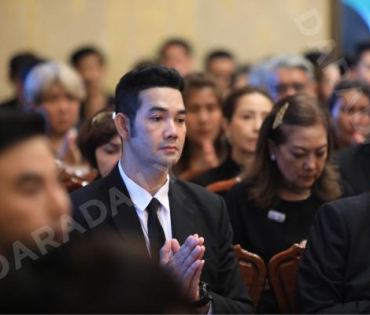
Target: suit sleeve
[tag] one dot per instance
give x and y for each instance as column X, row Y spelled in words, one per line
column 321, row 274
column 232, row 295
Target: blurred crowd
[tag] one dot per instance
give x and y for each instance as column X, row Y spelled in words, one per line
column 73, row 99
column 284, row 135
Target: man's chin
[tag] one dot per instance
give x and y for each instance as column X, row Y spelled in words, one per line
column 168, row 162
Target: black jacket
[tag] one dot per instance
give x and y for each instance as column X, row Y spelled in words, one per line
column 354, row 167
column 193, row 210
column 334, row 275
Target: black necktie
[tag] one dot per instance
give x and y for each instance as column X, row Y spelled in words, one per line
column 155, row 230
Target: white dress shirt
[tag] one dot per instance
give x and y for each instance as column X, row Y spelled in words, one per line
column 141, row 199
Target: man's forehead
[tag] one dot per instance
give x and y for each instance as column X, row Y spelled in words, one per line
column 161, row 96
column 28, row 155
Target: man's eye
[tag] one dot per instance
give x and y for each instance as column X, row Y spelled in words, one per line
column 180, row 120
column 156, row 118
column 30, row 189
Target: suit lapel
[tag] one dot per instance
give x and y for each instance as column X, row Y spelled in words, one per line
column 125, row 219
column 182, row 215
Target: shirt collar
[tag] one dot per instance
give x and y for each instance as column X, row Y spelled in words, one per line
column 140, row 197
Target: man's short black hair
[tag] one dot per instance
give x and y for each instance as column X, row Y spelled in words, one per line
column 175, row 42
column 217, row 54
column 20, row 64
column 361, row 48
column 137, row 80
column 17, row 126
column 86, row 51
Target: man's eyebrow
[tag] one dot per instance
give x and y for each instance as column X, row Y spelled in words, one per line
column 28, row 178
column 158, row 109
column 164, row 110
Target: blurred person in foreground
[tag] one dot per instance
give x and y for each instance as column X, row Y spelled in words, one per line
column 101, row 275
column 174, row 221
column 31, row 197
column 91, row 65
column 56, row 90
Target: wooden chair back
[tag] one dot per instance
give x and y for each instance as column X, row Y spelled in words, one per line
column 282, row 275
column 253, row 270
column 222, row 186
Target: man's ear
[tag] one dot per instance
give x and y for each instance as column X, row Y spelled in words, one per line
column 122, row 123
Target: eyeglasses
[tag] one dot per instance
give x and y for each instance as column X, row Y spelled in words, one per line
column 100, row 117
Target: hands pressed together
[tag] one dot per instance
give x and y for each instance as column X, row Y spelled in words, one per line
column 185, row 263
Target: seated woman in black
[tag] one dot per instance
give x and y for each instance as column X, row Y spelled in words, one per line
column 244, row 111
column 291, row 176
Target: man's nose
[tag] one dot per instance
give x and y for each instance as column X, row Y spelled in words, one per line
column 171, row 129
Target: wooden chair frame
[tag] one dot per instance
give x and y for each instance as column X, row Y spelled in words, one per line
column 282, row 276
column 253, row 270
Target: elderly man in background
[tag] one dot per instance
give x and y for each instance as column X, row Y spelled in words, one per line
column 287, row 75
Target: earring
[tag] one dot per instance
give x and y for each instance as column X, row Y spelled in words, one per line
column 273, row 157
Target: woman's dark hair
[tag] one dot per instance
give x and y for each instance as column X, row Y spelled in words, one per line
column 265, row 175
column 233, row 98
column 99, row 130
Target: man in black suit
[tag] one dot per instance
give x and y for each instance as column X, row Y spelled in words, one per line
column 334, row 276
column 150, row 118
column 354, row 167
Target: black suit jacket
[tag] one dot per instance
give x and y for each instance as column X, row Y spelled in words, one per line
column 354, row 167
column 193, row 210
column 334, row 276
